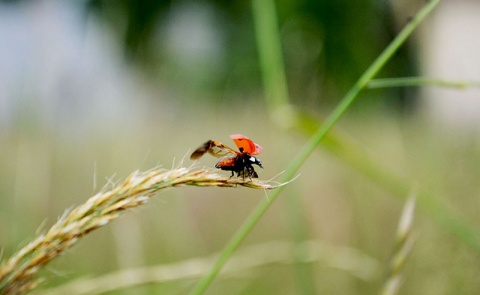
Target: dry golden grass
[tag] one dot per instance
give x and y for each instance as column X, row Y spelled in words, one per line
column 405, row 239
column 17, row 274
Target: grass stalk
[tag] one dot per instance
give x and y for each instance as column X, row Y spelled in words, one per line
column 420, row 81
column 277, row 99
column 17, row 274
column 313, row 142
column 270, row 54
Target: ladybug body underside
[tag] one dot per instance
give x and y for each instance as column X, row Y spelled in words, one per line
column 241, row 164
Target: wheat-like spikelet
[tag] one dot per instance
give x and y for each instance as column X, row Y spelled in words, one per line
column 404, row 245
column 17, row 274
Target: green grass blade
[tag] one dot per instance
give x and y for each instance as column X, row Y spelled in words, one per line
column 277, row 100
column 420, row 81
column 270, row 54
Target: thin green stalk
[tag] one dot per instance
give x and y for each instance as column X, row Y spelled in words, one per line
column 277, row 98
column 420, row 81
column 310, row 146
column 270, row 54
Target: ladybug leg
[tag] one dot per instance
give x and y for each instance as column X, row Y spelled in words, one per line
column 251, row 172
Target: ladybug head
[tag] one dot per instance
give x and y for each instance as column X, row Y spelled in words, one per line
column 256, row 161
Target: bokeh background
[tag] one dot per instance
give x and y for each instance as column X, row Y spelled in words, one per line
column 93, row 90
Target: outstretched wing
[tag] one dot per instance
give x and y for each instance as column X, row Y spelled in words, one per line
column 246, row 145
column 214, row 148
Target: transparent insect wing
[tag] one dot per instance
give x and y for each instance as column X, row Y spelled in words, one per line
column 218, row 149
column 214, row 148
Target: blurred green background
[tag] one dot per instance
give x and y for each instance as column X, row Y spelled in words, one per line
column 93, row 90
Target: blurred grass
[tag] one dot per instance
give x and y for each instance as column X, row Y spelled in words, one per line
column 398, row 185
column 248, row 259
column 280, row 112
column 420, row 81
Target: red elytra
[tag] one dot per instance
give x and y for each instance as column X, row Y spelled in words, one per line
column 246, row 144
